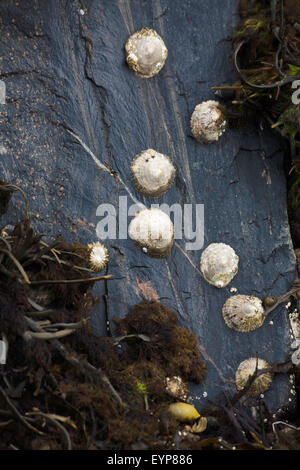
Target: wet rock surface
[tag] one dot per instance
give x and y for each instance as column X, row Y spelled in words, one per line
column 64, row 67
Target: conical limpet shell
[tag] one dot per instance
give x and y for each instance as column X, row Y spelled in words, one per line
column 146, row 53
column 153, row 231
column 246, row 369
column 98, row 256
column 219, row 264
column 208, row 121
column 243, row 312
column 152, row 173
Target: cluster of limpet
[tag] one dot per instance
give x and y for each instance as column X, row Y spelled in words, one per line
column 219, row 264
column 208, row 121
column 243, row 312
column 152, row 173
column 246, row 369
column 153, row 231
column 146, row 53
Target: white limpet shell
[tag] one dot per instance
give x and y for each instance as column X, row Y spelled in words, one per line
column 98, row 257
column 208, row 121
column 246, row 369
column 243, row 312
column 219, row 264
column 152, row 229
column 146, row 53
column 152, row 173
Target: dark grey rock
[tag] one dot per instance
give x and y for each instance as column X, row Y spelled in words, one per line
column 65, row 71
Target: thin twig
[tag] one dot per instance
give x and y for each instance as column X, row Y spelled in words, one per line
column 17, row 263
column 71, row 326
column 57, row 424
column 70, row 281
column 17, row 414
column 66, row 263
column 47, row 335
column 6, row 243
column 119, row 339
column 285, row 424
column 6, row 423
column 12, row 187
column 83, row 365
column 282, row 298
column 285, row 81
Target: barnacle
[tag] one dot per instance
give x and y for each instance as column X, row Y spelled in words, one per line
column 98, row 256
column 246, row 369
column 243, row 312
column 177, row 387
column 208, row 121
column 152, row 173
column 219, row 264
column 153, row 231
column 146, row 53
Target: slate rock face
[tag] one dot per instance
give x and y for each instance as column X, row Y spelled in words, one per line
column 73, row 106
